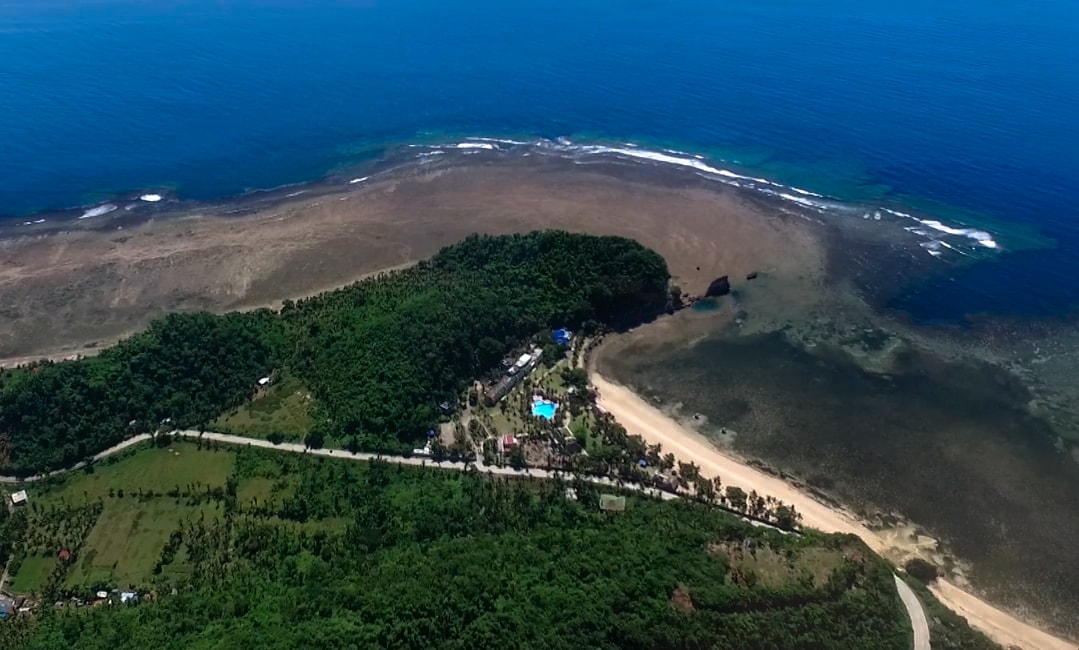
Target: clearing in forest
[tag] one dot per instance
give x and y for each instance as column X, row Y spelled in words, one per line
column 282, row 409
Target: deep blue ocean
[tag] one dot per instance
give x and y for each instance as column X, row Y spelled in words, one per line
column 965, row 111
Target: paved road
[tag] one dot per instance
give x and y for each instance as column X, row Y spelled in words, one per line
column 418, row 461
column 910, row 601
column 108, row 452
column 917, row 615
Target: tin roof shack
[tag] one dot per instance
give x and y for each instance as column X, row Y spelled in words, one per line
column 508, row 442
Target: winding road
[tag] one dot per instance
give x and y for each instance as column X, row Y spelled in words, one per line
column 918, row 623
column 910, row 601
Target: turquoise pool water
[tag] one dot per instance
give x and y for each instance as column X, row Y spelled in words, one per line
column 544, row 409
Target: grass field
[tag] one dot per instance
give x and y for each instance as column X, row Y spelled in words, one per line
column 144, row 469
column 284, row 409
column 136, row 517
column 775, row 569
column 126, row 542
column 33, row 572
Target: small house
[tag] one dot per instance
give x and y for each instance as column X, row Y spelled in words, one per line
column 128, row 596
column 562, row 336
column 64, row 555
column 508, row 443
column 265, row 381
column 19, row 498
column 102, row 595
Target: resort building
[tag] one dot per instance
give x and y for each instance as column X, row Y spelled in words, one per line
column 516, row 370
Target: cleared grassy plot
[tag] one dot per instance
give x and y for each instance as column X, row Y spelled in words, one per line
column 257, row 488
column 770, row 568
column 32, row 574
column 157, row 469
column 127, row 540
column 283, row 409
column 120, row 545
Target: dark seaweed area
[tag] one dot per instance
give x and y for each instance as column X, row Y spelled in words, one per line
column 948, row 444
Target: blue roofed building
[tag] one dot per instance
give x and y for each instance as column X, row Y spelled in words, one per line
column 562, row 336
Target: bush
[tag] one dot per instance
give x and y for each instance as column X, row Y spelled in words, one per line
column 921, row 570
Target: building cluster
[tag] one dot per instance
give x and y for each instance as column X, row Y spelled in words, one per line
column 515, row 370
column 12, row 606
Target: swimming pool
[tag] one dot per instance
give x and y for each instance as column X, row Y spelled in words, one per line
column 544, row 409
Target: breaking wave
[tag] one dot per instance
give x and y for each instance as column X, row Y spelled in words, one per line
column 98, row 211
column 938, row 236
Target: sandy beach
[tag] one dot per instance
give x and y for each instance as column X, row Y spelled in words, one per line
column 655, row 427
column 75, row 289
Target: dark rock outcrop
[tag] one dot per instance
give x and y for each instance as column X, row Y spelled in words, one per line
column 719, row 287
column 752, row 276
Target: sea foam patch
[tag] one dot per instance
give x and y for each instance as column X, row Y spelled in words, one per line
column 934, row 230
column 98, row 211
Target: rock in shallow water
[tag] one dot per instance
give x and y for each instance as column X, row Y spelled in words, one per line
column 719, row 287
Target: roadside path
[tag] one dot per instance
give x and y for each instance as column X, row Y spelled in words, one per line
column 918, row 621
column 419, row 461
column 910, row 601
column 134, row 440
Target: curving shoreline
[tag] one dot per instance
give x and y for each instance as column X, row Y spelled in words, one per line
column 655, row 427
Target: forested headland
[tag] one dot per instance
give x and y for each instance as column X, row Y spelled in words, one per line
column 299, row 552
column 378, row 356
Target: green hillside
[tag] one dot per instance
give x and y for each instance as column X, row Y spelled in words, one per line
column 296, row 552
column 377, row 356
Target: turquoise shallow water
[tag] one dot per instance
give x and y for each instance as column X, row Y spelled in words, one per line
column 964, row 110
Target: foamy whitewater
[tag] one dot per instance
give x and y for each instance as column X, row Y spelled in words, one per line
column 958, row 238
column 939, row 237
column 98, row 211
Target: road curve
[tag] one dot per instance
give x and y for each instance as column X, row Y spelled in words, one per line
column 910, row 601
column 918, row 622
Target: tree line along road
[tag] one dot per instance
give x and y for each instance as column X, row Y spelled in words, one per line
column 919, row 623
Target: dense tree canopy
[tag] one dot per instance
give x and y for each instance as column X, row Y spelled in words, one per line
column 378, row 355
column 429, row 559
column 187, row 368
